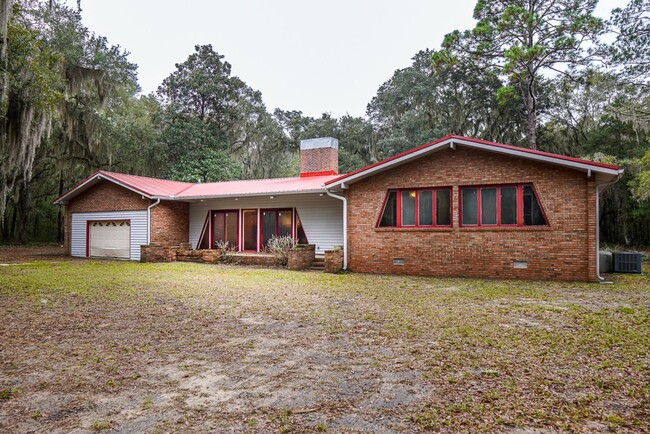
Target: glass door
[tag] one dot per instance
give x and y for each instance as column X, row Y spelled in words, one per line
column 276, row 222
column 225, row 228
column 250, row 229
column 269, row 225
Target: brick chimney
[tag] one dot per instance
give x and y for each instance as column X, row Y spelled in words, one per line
column 319, row 157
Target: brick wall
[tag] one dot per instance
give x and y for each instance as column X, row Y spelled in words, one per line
column 319, row 160
column 170, row 223
column 301, row 257
column 333, row 261
column 563, row 251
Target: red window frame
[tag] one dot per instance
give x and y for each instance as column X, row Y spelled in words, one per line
column 224, row 211
column 398, row 206
column 260, row 235
column 207, row 228
column 520, row 206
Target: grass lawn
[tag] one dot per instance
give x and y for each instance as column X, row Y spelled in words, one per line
column 89, row 346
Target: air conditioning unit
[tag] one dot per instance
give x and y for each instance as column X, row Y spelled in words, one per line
column 625, row 262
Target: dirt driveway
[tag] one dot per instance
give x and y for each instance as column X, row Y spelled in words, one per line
column 89, row 346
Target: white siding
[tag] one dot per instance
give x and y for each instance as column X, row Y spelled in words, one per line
column 138, row 230
column 321, row 216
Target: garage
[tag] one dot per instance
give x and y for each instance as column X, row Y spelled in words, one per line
column 111, row 234
column 109, row 239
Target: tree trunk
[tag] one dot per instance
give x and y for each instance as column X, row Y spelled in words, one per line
column 531, row 112
column 23, row 213
column 5, row 14
column 12, row 230
column 59, row 216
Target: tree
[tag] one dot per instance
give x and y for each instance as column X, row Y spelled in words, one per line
column 199, row 103
column 628, row 57
column 522, row 40
column 64, row 84
column 30, row 85
column 421, row 103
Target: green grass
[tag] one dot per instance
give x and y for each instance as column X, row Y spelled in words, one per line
column 495, row 353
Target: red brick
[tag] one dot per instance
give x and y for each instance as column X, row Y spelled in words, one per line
column 319, row 160
column 565, row 250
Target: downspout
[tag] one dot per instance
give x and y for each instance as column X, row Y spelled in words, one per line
column 598, row 276
column 345, row 226
column 149, row 220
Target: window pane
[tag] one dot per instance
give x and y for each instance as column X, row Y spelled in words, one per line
column 389, row 217
column 508, row 205
column 232, row 222
column 204, row 243
column 218, row 228
column 284, row 223
column 470, row 216
column 443, row 210
column 408, row 208
column 533, row 215
column 425, row 208
column 269, row 219
column 488, row 206
column 300, row 231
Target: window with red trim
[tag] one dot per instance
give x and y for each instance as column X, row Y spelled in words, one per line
column 501, row 205
column 417, row 208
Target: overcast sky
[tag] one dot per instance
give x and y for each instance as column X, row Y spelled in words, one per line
column 313, row 56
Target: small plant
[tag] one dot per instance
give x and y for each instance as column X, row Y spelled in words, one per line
column 225, row 251
column 147, row 403
column 280, row 246
column 8, row 393
column 100, row 425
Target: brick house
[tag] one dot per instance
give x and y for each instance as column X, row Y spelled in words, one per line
column 453, row 207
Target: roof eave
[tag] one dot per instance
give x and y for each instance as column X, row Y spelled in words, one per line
column 451, row 141
column 236, row 195
column 63, row 199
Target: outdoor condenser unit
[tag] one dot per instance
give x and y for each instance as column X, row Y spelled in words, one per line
column 627, row 262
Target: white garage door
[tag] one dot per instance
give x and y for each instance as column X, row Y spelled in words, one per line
column 109, row 239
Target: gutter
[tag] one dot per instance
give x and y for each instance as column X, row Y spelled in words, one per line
column 345, row 226
column 149, row 220
column 598, row 276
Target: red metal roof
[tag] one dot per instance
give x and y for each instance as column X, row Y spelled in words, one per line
column 257, row 187
column 149, row 186
column 166, row 189
column 494, row 145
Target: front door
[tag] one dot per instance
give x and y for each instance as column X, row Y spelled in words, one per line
column 249, row 228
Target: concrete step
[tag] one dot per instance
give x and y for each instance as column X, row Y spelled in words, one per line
column 318, row 264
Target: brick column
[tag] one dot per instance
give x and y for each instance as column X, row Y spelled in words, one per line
column 301, row 257
column 333, row 261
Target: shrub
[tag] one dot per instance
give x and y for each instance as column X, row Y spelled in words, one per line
column 225, row 251
column 280, row 246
